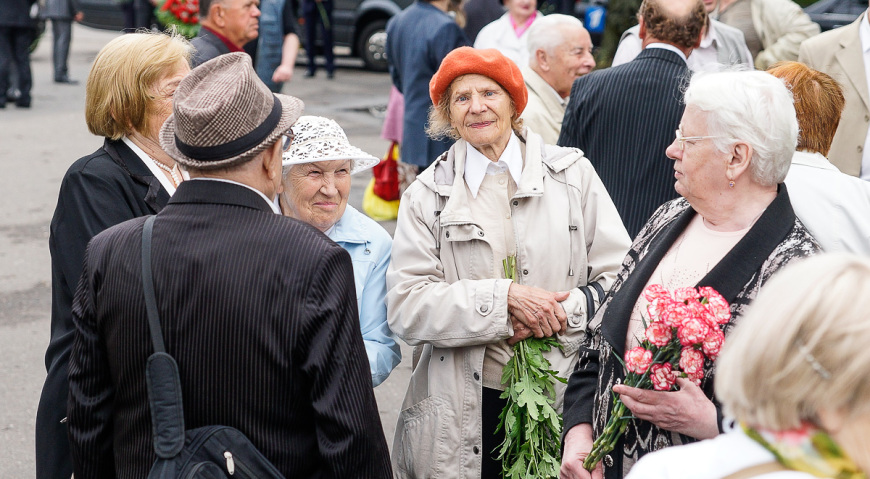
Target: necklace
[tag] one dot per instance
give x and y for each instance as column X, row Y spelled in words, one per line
column 173, row 173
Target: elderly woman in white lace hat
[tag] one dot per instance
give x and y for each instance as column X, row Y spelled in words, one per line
column 317, row 171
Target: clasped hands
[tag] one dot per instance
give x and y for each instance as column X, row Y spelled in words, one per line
column 535, row 312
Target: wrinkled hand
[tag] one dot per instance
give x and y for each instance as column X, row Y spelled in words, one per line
column 687, row 411
column 283, row 73
column 521, row 331
column 578, row 444
column 538, row 309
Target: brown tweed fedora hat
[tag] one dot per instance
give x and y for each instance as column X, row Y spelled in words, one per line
column 223, row 115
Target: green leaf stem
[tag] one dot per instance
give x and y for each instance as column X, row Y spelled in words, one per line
column 532, row 426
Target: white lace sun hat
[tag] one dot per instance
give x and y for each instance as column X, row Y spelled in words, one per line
column 321, row 139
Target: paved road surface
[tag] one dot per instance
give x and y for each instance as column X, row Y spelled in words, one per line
column 36, row 148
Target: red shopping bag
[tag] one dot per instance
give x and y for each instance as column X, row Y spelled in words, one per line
column 386, row 175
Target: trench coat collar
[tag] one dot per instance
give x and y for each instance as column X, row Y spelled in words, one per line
column 156, row 196
column 449, row 170
column 728, row 277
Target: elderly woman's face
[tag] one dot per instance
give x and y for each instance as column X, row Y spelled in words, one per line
column 700, row 169
column 163, row 91
column 480, row 110
column 316, row 193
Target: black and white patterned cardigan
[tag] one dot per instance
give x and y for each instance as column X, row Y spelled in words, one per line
column 776, row 239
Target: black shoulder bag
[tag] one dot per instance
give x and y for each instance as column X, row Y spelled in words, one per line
column 210, row 452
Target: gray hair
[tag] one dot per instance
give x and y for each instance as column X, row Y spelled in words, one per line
column 546, row 34
column 801, row 348
column 752, row 107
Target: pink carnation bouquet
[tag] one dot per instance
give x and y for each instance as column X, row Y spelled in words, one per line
column 685, row 330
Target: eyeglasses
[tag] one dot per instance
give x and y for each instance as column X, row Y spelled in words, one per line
column 287, row 139
column 683, row 139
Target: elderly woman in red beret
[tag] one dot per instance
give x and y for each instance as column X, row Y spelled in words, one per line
column 498, row 193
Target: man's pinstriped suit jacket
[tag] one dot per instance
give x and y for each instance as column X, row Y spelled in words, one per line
column 623, row 118
column 260, row 313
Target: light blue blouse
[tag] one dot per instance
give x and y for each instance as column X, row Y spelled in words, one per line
column 369, row 246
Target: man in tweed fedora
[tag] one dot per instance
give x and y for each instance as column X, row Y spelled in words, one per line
column 259, row 310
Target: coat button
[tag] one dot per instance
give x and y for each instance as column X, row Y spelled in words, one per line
column 525, row 271
column 480, row 233
column 476, row 377
column 484, row 308
column 476, row 449
column 516, row 203
column 442, row 358
column 608, row 461
column 447, row 234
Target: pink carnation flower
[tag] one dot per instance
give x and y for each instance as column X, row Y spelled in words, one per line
column 662, row 376
column 691, row 361
column 657, row 308
column 696, row 378
column 659, row 334
column 656, row 291
column 686, row 294
column 700, row 311
column 675, row 313
column 713, row 343
column 692, row 331
column 719, row 308
column 637, row 360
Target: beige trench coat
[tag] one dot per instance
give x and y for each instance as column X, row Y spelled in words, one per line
column 442, row 297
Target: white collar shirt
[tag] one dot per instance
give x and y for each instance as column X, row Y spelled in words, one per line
column 477, row 165
column 562, row 101
column 864, row 34
column 666, row 46
column 149, row 162
column 706, row 53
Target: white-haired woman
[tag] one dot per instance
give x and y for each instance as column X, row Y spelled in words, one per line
column 731, row 230
column 317, row 171
column 795, row 373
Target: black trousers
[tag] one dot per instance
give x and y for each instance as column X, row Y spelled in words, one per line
column 313, row 21
column 491, row 407
column 15, row 49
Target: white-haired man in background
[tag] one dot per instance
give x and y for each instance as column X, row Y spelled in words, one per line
column 560, row 51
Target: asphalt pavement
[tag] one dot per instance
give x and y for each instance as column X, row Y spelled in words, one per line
column 37, row 145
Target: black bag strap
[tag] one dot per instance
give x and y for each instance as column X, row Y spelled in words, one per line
column 161, row 373
column 148, row 285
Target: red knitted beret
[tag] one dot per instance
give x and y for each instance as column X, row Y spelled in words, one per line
column 489, row 63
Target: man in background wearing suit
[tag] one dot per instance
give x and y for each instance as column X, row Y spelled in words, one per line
column 227, row 25
column 623, row 118
column 418, row 38
column 258, row 309
column 844, row 54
